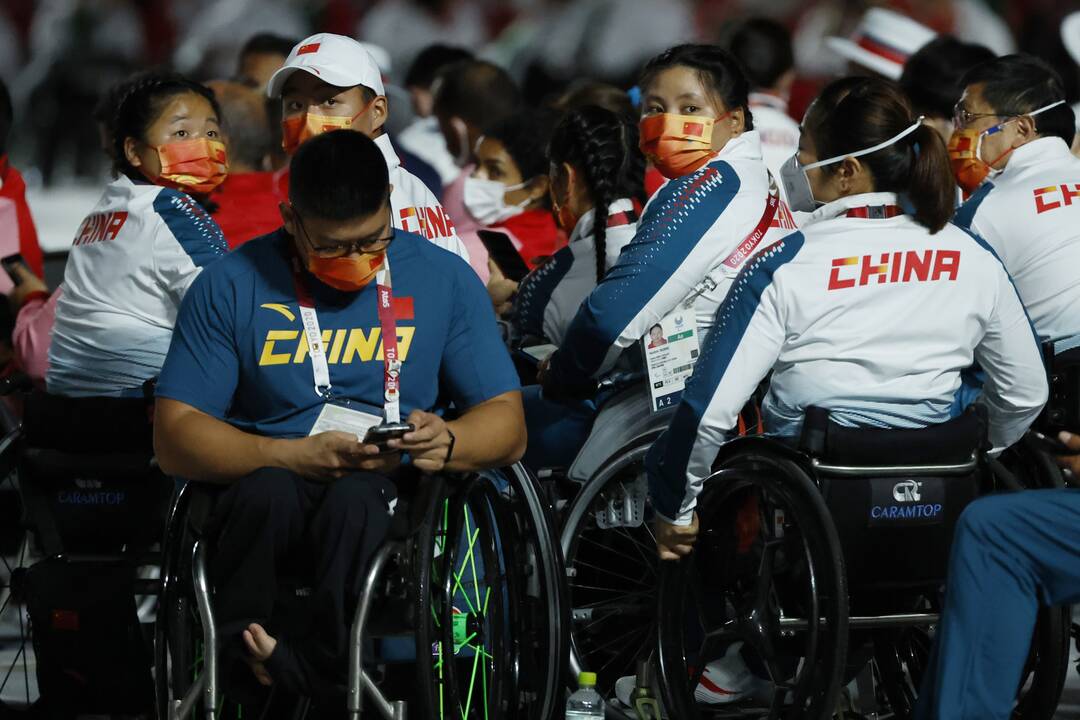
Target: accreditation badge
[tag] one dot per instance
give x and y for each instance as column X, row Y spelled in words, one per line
column 671, row 349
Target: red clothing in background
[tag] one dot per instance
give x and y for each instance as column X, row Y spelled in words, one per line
column 535, row 234
column 247, row 206
column 13, row 188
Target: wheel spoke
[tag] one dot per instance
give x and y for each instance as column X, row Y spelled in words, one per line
column 641, row 582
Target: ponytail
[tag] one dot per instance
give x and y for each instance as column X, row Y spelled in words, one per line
column 602, row 146
column 853, row 114
column 932, row 187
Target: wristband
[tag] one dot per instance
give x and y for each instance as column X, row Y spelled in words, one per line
column 450, row 450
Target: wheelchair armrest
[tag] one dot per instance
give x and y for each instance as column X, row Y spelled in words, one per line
column 48, row 464
column 620, row 380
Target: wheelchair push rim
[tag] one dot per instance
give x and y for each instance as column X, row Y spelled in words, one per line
column 611, row 581
column 767, row 546
column 492, row 595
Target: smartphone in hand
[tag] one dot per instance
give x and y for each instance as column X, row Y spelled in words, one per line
column 379, row 435
column 9, row 263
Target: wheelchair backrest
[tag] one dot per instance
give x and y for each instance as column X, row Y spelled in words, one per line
column 1062, row 410
column 895, row 495
column 622, row 420
column 87, row 473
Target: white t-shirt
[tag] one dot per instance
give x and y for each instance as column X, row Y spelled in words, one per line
column 130, row 264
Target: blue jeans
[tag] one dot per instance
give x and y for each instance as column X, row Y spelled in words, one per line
column 1011, row 553
column 557, row 431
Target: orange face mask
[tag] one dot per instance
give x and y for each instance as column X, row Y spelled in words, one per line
column 295, row 131
column 677, row 144
column 196, row 166
column 967, row 163
column 350, row 273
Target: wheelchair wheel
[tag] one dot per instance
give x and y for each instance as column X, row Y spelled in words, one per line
column 611, row 568
column 767, row 570
column 18, row 675
column 492, row 595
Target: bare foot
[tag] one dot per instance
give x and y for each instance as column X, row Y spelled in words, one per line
column 260, row 645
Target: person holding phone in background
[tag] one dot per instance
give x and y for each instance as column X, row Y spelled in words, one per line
column 244, row 400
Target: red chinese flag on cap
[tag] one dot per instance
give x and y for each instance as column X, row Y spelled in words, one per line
column 308, row 49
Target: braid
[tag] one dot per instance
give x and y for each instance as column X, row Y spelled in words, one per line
column 597, row 142
column 137, row 102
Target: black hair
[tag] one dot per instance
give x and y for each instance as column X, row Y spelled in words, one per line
column 480, row 93
column 932, row 76
column 763, row 46
column 1018, row 84
column 867, row 111
column 432, row 59
column 721, row 73
column 603, row 147
column 339, row 175
column 138, row 103
column 525, row 136
column 583, row 92
column 7, row 116
column 657, row 326
column 268, row 44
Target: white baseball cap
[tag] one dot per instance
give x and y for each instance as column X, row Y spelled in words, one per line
column 335, row 59
column 883, row 41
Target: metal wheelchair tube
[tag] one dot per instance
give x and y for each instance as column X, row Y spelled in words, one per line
column 870, row 621
column 359, row 681
column 206, row 615
column 181, row 709
column 896, row 470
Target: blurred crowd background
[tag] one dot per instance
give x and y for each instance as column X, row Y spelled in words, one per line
column 59, row 56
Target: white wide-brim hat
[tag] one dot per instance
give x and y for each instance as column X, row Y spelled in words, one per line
column 883, row 41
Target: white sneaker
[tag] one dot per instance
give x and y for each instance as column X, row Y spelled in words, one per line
column 726, row 680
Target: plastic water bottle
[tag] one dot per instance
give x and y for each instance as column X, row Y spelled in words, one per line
column 586, row 703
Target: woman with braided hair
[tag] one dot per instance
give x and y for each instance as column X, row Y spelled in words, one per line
column 596, row 171
column 140, row 248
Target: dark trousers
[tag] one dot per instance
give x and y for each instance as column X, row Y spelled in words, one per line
column 1011, row 553
column 329, row 531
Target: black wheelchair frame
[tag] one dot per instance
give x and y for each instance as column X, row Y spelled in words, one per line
column 787, row 592
column 524, row 589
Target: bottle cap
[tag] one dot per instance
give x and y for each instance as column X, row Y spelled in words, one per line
column 586, row 679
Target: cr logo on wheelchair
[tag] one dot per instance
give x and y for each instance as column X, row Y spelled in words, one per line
column 907, row 491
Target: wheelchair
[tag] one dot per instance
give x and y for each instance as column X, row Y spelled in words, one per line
column 826, row 560
column 91, row 508
column 461, row 613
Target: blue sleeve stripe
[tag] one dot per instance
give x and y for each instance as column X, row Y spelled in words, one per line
column 194, row 229
column 536, row 291
column 669, row 458
column 965, row 215
column 676, row 220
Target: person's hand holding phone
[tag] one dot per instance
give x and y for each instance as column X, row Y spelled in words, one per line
column 330, row 455
column 501, row 290
column 26, row 283
column 429, row 444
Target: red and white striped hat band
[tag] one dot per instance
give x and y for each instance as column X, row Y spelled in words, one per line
column 868, row 47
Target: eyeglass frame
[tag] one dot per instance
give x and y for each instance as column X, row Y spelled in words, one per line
column 341, row 250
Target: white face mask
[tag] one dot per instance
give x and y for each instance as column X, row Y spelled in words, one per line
column 800, row 195
column 486, row 200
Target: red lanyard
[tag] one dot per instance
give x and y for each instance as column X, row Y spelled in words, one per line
column 746, row 249
column 875, row 212
column 388, row 329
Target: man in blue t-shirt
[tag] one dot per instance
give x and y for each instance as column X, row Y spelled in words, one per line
column 245, row 399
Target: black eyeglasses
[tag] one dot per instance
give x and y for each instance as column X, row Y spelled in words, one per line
column 342, row 249
column 962, row 117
